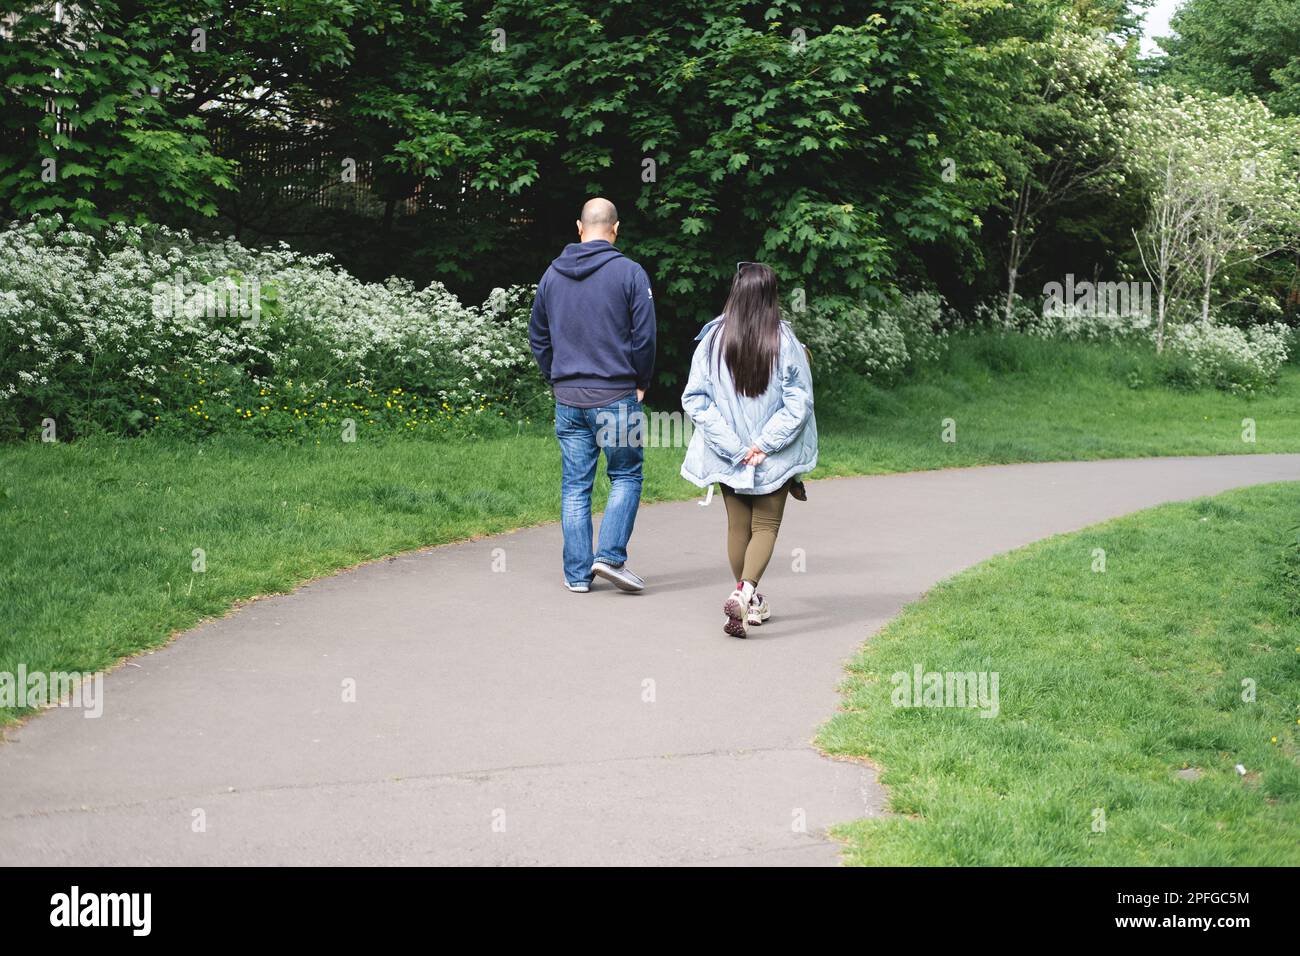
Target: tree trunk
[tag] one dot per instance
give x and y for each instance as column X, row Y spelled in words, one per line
column 1011, row 292
column 1208, row 281
column 1013, row 269
column 1014, row 254
column 1160, row 321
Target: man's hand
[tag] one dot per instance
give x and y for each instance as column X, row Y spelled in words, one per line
column 640, row 394
column 755, row 456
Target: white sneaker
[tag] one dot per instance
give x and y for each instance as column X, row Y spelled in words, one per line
column 580, row 588
column 757, row 612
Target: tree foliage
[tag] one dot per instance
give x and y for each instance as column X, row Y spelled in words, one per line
column 855, row 146
column 809, row 134
column 1221, row 174
column 84, row 115
column 1237, row 46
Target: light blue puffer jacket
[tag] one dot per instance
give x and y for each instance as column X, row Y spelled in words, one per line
column 780, row 421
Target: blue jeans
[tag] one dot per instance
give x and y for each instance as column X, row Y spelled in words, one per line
column 617, row 430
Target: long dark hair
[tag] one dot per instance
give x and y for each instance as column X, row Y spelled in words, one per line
column 751, row 328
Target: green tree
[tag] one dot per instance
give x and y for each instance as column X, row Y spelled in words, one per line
column 1237, row 46
column 810, row 134
column 806, row 134
column 1224, row 192
column 88, row 132
column 1046, row 79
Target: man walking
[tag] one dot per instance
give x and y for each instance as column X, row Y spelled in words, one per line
column 593, row 334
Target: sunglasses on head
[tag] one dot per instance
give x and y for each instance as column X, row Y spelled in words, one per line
column 741, row 265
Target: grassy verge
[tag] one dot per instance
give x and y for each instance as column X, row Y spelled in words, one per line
column 98, row 538
column 1013, row 398
column 1121, row 699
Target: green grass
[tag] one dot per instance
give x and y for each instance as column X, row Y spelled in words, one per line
column 97, row 537
column 1109, row 684
column 1019, row 399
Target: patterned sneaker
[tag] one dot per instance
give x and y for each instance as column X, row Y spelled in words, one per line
column 758, row 611
column 734, row 608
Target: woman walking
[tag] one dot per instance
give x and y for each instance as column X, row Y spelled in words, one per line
column 750, row 397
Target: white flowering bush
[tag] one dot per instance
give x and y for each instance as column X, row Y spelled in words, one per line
column 1223, row 356
column 878, row 342
column 854, row 340
column 1023, row 318
column 1099, row 325
column 1196, row 355
column 1066, row 321
column 147, row 327
column 924, row 320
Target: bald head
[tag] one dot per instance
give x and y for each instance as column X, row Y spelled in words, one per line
column 599, row 221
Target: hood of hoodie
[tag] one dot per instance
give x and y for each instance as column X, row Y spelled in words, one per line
column 581, row 259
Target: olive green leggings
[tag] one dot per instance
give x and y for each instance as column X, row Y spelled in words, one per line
column 752, row 524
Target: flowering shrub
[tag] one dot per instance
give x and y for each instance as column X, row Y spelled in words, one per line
column 1226, row 357
column 1196, row 355
column 136, row 328
column 1092, row 325
column 1068, row 322
column 856, row 340
column 1024, row 318
column 921, row 319
column 880, row 343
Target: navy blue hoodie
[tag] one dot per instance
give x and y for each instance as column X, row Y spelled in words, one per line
column 593, row 322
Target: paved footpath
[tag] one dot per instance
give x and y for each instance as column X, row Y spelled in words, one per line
column 499, row 719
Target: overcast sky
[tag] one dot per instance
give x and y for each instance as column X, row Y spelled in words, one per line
column 1156, row 23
